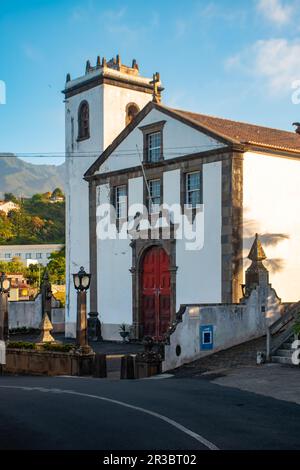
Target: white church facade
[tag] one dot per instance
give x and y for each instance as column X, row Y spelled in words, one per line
column 130, row 159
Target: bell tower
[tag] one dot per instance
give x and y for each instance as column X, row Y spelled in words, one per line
column 98, row 105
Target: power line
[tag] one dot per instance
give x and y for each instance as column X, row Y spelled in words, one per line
column 119, row 153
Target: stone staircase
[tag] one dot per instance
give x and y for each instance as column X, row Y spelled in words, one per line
column 280, row 336
column 283, row 355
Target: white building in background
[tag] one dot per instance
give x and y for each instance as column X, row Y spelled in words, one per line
column 246, row 177
column 7, row 206
column 29, row 254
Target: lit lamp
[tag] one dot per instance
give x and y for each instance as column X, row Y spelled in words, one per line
column 81, row 280
column 4, row 293
column 82, row 283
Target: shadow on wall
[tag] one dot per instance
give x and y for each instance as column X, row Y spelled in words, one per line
column 250, row 227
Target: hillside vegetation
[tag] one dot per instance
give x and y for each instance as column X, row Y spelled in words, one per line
column 38, row 220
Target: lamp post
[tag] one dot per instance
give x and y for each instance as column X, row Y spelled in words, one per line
column 4, row 293
column 82, row 284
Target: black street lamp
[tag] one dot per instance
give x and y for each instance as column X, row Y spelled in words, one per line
column 81, row 280
column 82, row 283
column 4, row 293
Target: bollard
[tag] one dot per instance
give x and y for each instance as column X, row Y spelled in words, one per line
column 127, row 367
column 100, row 370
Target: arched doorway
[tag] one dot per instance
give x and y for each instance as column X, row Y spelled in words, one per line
column 155, row 293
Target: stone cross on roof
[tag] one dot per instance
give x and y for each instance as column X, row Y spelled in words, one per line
column 155, row 81
column 257, row 252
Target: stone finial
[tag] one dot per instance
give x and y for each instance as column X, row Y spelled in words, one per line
column 98, row 63
column 68, row 78
column 46, row 327
column 134, row 64
column 103, row 62
column 88, row 66
column 257, row 274
column 118, row 60
column 257, row 252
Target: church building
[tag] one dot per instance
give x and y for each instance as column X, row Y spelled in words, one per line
column 164, row 204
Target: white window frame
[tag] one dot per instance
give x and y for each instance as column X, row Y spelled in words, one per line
column 190, row 191
column 121, row 205
column 153, row 148
column 153, row 207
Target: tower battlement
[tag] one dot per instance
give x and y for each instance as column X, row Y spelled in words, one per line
column 106, row 71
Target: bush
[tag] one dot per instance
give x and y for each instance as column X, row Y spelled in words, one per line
column 58, row 347
column 21, row 345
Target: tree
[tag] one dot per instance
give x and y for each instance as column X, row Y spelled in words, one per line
column 10, row 197
column 15, row 266
column 57, row 266
column 57, row 193
column 6, row 229
column 34, row 274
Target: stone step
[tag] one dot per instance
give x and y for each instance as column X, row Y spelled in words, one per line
column 282, row 360
column 284, row 352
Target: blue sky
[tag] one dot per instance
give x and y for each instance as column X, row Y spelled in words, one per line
column 231, row 58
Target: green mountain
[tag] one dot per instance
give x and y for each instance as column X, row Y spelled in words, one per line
column 25, row 179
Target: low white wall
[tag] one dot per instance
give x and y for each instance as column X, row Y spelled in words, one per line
column 58, row 320
column 232, row 324
column 28, row 314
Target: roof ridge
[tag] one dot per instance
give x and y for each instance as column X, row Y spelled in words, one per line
column 231, row 120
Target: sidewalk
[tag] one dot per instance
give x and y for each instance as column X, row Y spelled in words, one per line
column 273, row 380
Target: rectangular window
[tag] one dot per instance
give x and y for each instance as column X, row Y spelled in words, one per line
column 7, row 255
column 193, row 189
column 28, row 256
column 154, row 198
column 121, row 202
column 39, row 256
column 18, row 255
column 154, row 147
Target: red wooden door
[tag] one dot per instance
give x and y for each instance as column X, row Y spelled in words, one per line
column 156, row 314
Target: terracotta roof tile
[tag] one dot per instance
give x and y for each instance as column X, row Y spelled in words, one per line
column 245, row 133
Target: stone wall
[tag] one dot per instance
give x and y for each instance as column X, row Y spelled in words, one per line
column 47, row 363
column 231, row 324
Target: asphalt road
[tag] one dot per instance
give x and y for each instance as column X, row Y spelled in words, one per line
column 43, row 413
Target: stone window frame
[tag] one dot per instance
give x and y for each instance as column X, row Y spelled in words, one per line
column 82, row 136
column 190, row 168
column 152, row 129
column 148, row 197
column 113, row 186
column 200, row 190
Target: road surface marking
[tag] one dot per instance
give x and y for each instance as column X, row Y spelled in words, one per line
column 170, row 421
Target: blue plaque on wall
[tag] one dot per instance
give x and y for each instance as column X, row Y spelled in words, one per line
column 206, row 337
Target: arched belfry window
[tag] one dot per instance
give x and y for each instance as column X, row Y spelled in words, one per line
column 83, row 121
column 132, row 110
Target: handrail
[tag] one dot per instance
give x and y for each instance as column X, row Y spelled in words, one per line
column 283, row 322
